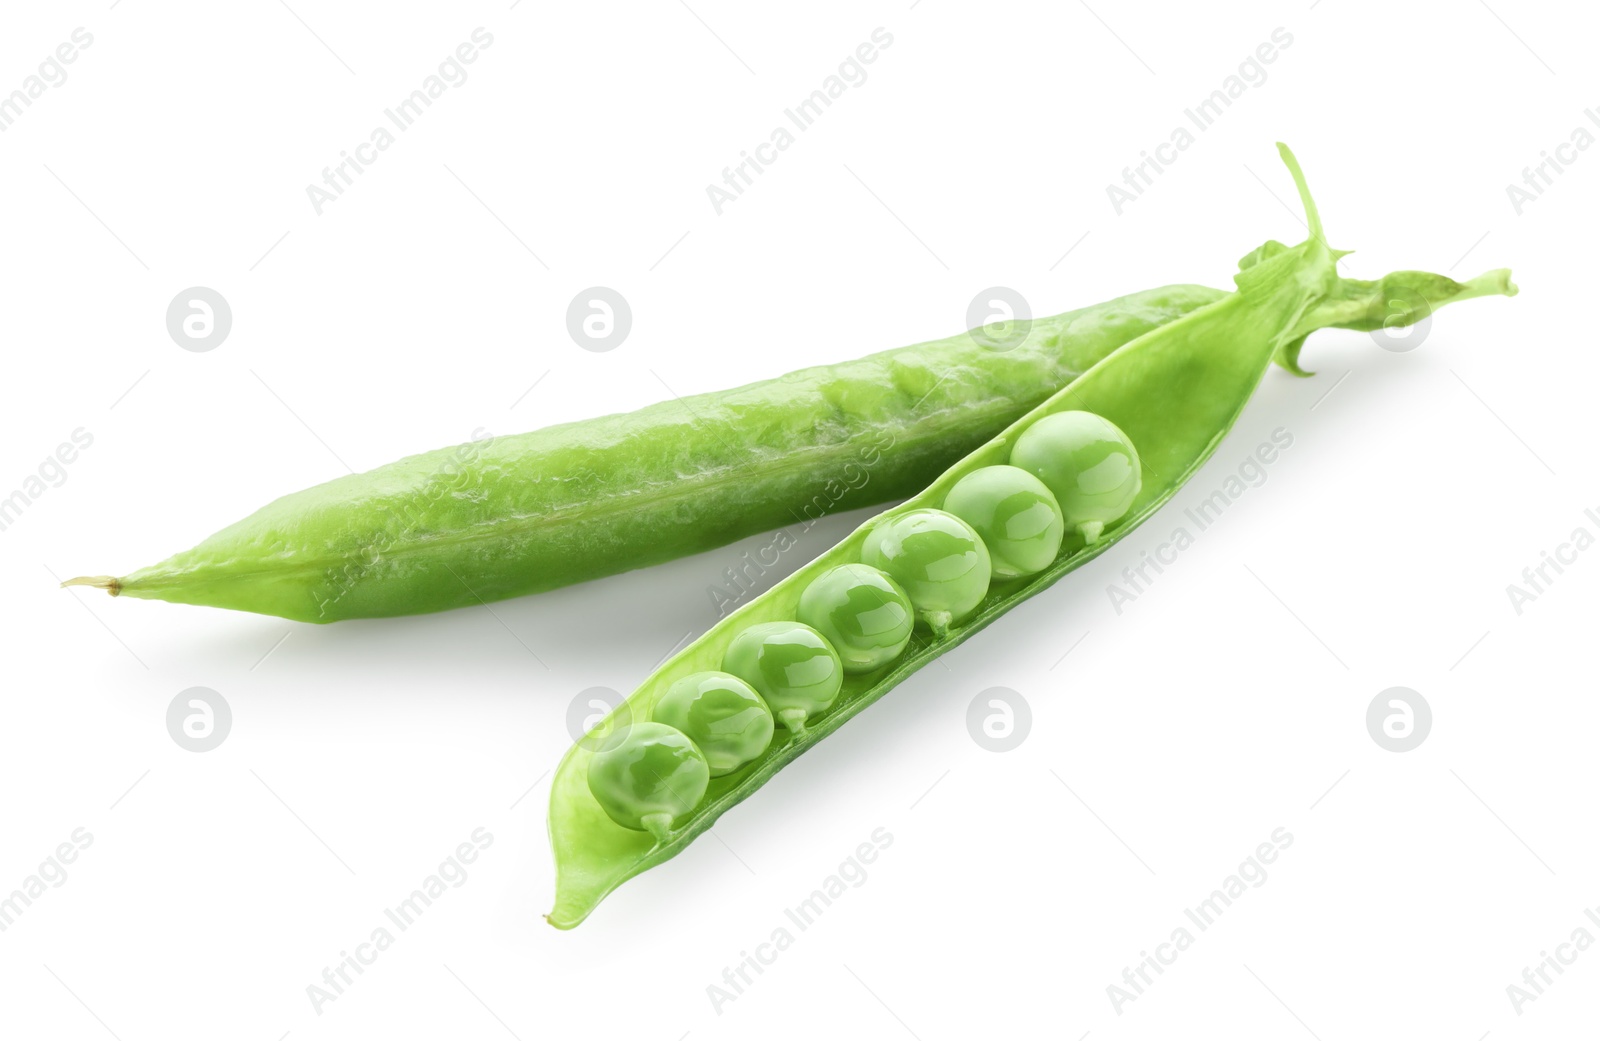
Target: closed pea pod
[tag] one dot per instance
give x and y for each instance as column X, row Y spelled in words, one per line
column 721, row 714
column 1088, row 464
column 794, row 669
column 1174, row 393
column 510, row 515
column 1014, row 514
column 937, row 559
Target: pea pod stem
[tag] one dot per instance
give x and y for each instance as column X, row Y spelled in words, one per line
column 1367, row 306
column 1175, row 391
column 107, row 582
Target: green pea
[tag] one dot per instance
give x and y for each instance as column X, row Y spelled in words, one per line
column 938, row 560
column 1087, row 463
column 726, row 720
column 647, row 777
column 791, row 666
column 861, row 612
column 1014, row 514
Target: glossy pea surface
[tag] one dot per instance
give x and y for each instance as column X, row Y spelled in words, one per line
column 861, row 612
column 721, row 714
column 1016, row 516
column 1088, row 464
column 937, row 558
column 791, row 666
column 648, row 777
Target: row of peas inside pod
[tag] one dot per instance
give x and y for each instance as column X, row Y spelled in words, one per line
column 1070, row 471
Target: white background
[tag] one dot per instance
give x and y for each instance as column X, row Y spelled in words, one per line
column 1227, row 701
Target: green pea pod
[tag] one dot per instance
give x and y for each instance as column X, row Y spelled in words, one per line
column 1175, row 391
column 529, row 512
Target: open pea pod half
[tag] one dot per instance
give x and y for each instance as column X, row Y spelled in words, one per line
column 1175, row 392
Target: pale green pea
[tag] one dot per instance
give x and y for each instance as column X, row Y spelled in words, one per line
column 1016, row 516
column 861, row 612
column 1087, row 463
column 937, row 559
column 791, row 666
column 647, row 777
column 721, row 714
